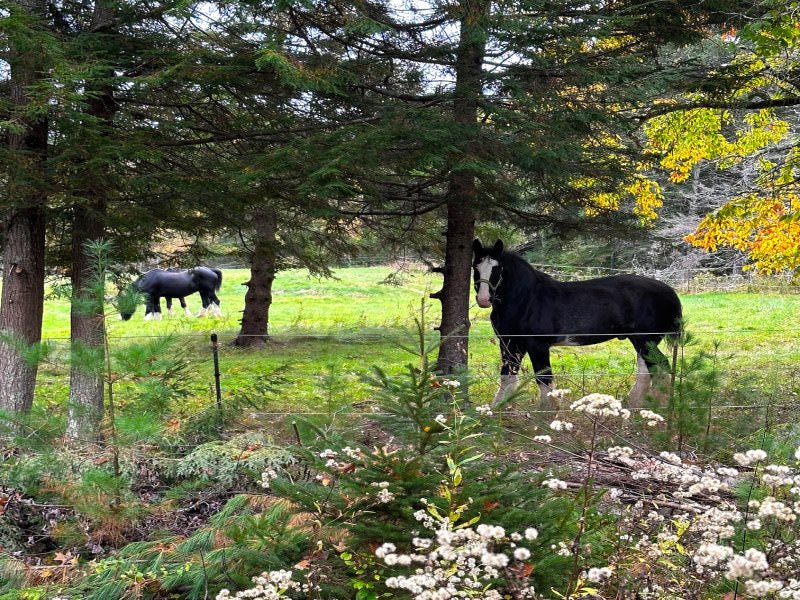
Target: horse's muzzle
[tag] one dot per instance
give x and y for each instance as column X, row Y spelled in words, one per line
column 484, row 301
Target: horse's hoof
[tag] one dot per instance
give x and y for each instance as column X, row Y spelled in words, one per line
column 148, row 317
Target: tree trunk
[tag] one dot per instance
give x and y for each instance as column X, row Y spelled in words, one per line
column 22, row 306
column 258, row 299
column 455, row 292
column 87, row 329
column 22, row 299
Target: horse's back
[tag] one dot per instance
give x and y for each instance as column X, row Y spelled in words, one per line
column 634, row 300
column 159, row 282
column 590, row 311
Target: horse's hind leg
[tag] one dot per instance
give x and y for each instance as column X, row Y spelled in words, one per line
column 540, row 359
column 651, row 365
column 206, row 305
column 186, row 311
column 642, row 384
column 214, row 306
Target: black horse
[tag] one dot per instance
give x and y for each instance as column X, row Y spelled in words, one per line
column 157, row 284
column 181, row 299
column 531, row 312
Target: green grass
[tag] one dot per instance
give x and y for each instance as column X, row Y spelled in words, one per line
column 328, row 332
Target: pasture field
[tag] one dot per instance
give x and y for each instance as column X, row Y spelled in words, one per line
column 327, row 333
column 306, row 463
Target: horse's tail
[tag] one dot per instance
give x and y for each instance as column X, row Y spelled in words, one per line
column 219, row 279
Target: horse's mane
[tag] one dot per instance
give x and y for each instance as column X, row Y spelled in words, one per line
column 518, row 270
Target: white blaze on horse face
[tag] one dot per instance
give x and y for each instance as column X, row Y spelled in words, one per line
column 484, row 269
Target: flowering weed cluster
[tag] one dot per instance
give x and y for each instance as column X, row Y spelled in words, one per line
column 706, row 541
column 269, row 586
column 429, row 515
column 461, row 562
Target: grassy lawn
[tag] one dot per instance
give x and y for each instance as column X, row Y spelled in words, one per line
column 329, row 332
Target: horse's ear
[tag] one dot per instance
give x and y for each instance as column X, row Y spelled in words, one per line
column 498, row 248
column 477, row 246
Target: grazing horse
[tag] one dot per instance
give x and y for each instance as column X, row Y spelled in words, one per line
column 531, row 312
column 182, row 300
column 157, row 284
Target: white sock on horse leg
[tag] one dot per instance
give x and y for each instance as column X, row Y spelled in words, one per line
column 642, row 384
column 187, row 311
column 148, row 316
column 157, row 316
column 544, row 390
column 508, row 385
column 202, row 312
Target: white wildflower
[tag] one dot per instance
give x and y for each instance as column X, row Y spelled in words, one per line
column 484, row 410
column 555, row 484
column 384, row 496
column 598, row 575
column 600, row 405
column 653, row 418
column 266, row 477
column 531, row 533
column 748, row 458
column 522, row 554
column 620, row 453
column 384, row 549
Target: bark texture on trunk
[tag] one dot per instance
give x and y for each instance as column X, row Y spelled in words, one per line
column 22, row 299
column 455, row 292
column 21, row 308
column 254, row 332
column 87, row 329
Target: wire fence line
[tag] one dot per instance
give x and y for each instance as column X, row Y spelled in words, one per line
column 275, row 342
column 347, row 336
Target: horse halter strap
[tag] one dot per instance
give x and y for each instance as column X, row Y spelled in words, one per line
column 494, row 287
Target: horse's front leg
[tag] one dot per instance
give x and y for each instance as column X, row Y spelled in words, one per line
column 540, row 359
column 511, row 357
column 157, row 308
column 149, row 310
column 186, row 311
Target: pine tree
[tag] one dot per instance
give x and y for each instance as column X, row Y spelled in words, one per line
column 23, row 258
column 517, row 113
